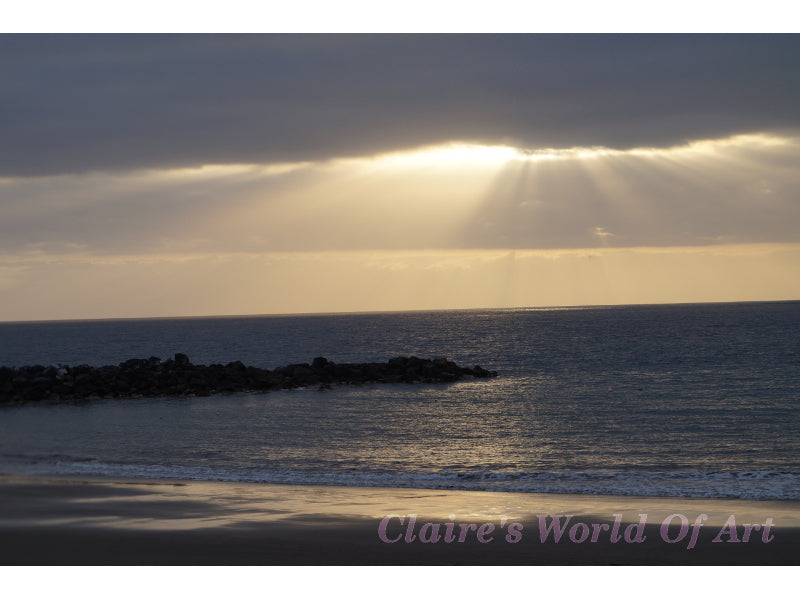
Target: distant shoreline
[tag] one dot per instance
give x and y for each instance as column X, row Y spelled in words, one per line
column 177, row 376
column 359, row 313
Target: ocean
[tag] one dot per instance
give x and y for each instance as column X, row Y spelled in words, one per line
column 695, row 401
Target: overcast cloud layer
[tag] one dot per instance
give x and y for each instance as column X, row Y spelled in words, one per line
column 76, row 103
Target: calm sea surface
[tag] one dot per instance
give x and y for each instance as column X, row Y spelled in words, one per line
column 672, row 400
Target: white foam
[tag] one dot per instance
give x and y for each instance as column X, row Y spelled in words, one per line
column 748, row 485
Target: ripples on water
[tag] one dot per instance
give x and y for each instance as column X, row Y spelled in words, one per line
column 682, row 400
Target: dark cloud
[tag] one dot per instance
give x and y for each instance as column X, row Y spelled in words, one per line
column 77, row 103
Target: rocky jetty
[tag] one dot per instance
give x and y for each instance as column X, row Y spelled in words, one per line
column 179, row 377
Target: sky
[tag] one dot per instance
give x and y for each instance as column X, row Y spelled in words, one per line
column 187, row 175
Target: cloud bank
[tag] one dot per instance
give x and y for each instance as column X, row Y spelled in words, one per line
column 80, row 103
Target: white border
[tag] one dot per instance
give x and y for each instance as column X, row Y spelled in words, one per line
column 428, row 16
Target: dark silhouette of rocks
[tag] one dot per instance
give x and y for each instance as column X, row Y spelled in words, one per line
column 179, row 377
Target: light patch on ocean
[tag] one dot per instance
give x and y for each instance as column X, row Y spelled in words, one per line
column 676, row 400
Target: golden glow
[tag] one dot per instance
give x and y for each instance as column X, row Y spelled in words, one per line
column 451, row 226
column 700, row 147
column 466, row 155
column 47, row 287
column 446, row 156
column 214, row 171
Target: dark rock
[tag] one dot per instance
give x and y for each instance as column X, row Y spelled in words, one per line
column 178, row 376
column 398, row 363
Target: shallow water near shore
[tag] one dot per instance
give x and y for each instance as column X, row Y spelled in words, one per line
column 62, row 520
column 692, row 401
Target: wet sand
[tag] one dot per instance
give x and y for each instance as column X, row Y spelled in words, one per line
column 81, row 521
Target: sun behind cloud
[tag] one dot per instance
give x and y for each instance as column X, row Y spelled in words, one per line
column 458, row 225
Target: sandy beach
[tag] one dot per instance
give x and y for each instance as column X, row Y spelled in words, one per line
column 71, row 521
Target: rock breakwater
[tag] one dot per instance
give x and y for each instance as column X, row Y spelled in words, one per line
column 177, row 376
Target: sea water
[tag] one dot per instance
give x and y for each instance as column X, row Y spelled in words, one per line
column 661, row 400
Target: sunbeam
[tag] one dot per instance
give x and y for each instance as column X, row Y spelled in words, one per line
column 374, row 214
